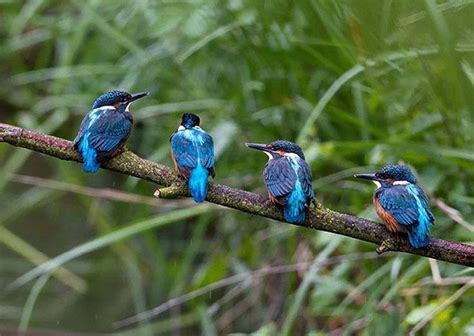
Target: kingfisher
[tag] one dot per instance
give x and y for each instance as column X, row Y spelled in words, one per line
column 192, row 151
column 105, row 128
column 401, row 203
column 287, row 177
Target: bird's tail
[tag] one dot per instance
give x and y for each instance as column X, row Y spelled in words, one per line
column 294, row 210
column 198, row 183
column 89, row 155
column 419, row 234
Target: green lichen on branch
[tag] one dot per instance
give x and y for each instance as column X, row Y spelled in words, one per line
column 319, row 217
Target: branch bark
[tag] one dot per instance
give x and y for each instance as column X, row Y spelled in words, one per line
column 319, row 218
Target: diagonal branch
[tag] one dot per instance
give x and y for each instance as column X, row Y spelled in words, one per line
column 320, row 218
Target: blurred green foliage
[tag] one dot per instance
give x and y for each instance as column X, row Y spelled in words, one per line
column 357, row 83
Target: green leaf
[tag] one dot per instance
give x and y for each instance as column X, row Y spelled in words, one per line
column 419, row 313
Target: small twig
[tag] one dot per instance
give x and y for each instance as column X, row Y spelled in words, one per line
column 178, row 189
column 237, row 310
column 230, row 295
column 449, row 281
column 357, row 325
column 435, row 273
column 105, row 193
column 436, row 279
column 452, row 213
column 439, row 280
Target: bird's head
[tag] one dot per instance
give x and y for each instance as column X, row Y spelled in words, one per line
column 117, row 98
column 188, row 121
column 393, row 174
column 278, row 149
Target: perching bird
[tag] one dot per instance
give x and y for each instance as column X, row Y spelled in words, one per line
column 287, row 177
column 192, row 150
column 401, row 204
column 105, row 128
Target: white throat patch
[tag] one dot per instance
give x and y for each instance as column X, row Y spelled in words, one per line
column 270, row 156
column 377, row 183
column 107, row 107
column 401, row 182
column 181, row 128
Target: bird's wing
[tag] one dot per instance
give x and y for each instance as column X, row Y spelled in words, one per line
column 402, row 204
column 424, row 200
column 279, row 176
column 206, row 150
column 184, row 151
column 305, row 176
column 109, row 129
column 83, row 128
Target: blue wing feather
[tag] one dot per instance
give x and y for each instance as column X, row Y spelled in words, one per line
column 207, row 151
column 190, row 145
column 424, row 201
column 279, row 177
column 102, row 132
column 82, row 130
column 400, row 204
column 109, row 131
column 183, row 151
column 305, row 177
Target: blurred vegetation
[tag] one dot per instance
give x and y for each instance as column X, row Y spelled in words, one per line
column 357, row 83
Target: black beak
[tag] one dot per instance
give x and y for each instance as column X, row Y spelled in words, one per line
column 136, row 96
column 262, row 147
column 370, row 177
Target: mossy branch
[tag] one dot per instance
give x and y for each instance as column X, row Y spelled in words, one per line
column 319, row 218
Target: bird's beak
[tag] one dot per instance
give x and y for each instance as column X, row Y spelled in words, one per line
column 262, row 147
column 136, row 96
column 370, row 177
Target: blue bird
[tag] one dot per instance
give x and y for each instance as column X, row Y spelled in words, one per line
column 287, row 177
column 192, row 151
column 401, row 204
column 105, row 128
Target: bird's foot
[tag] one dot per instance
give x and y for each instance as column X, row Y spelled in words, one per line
column 385, row 246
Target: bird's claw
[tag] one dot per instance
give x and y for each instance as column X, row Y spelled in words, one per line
column 385, row 246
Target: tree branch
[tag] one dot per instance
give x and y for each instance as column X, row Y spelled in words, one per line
column 319, row 218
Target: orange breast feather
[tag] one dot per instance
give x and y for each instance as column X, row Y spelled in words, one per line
column 390, row 223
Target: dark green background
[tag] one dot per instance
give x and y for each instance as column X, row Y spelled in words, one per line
column 357, row 84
